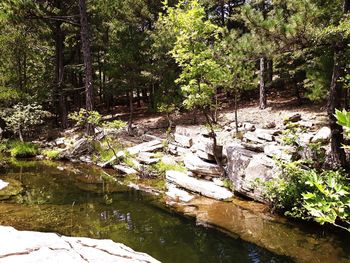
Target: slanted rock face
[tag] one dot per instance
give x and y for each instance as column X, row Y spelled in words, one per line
column 248, row 170
column 28, row 246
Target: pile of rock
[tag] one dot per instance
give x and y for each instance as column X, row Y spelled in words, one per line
column 198, row 152
column 250, row 162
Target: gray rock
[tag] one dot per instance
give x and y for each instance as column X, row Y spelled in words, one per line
column 32, row 247
column 147, row 158
column 248, row 126
column 202, row 187
column 187, row 131
column 293, row 118
column 183, row 140
column 124, row 169
column 253, row 147
column 207, row 145
column 323, row 135
column 252, row 137
column 150, row 146
column 80, row 147
column 178, row 194
column 198, row 166
column 282, row 152
column 205, row 156
column 247, row 170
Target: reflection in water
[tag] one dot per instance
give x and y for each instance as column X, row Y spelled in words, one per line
column 78, row 202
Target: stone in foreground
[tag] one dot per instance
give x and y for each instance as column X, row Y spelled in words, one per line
column 35, row 247
column 206, row 188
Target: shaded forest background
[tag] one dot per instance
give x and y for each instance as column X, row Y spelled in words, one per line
column 66, row 55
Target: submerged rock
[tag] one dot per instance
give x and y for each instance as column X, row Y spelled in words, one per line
column 13, row 188
column 28, row 246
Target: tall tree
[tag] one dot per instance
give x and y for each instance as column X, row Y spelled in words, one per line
column 337, row 157
column 85, row 40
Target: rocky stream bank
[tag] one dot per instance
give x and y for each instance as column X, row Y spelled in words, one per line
column 196, row 186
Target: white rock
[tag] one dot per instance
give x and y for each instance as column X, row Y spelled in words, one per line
column 202, row 187
column 282, row 152
column 124, row 169
column 248, row 126
column 184, row 141
column 150, row 146
column 178, row 194
column 323, row 135
column 3, row 184
column 35, row 247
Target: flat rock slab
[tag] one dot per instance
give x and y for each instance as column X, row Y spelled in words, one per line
column 205, row 188
column 36, row 247
column 150, row 146
column 198, row 166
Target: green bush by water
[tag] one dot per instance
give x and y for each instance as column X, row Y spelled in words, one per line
column 51, row 154
column 23, row 149
column 308, row 193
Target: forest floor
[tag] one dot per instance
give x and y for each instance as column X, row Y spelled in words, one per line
column 280, row 106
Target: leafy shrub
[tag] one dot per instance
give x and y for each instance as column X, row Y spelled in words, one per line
column 83, row 117
column 23, row 150
column 51, row 154
column 301, row 192
column 23, row 118
column 328, row 201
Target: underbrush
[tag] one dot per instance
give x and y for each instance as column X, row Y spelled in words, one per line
column 51, row 154
column 311, row 194
column 20, row 149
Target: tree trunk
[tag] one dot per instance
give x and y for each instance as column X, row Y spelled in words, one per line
column 263, row 100
column 62, row 108
column 131, row 110
column 85, row 41
column 337, row 158
column 236, row 113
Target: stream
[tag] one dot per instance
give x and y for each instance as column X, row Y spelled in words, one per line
column 78, row 200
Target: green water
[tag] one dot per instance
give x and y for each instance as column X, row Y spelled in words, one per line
column 75, row 200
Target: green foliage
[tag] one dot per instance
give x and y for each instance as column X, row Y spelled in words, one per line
column 23, row 149
column 23, row 118
column 328, row 197
column 343, row 118
column 162, row 167
column 83, row 117
column 195, row 36
column 116, row 124
column 51, row 154
column 310, row 194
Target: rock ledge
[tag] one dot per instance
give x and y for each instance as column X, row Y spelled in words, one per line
column 28, row 246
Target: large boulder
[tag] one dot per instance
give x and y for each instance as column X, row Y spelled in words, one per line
column 248, row 171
